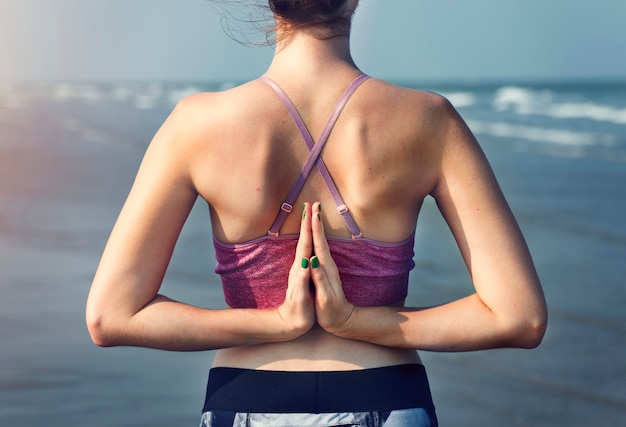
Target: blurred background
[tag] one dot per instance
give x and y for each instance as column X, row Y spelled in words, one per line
column 84, row 85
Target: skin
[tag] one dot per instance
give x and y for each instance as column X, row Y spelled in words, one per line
column 391, row 148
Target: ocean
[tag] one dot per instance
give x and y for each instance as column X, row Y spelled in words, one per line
column 68, row 154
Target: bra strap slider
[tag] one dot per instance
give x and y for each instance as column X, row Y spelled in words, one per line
column 342, row 209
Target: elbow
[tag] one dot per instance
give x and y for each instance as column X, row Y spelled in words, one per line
column 100, row 330
column 528, row 332
column 533, row 334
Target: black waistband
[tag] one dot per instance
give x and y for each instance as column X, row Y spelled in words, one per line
column 378, row 389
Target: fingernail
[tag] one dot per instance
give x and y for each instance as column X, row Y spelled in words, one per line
column 303, row 210
column 319, row 211
column 315, row 262
column 305, row 263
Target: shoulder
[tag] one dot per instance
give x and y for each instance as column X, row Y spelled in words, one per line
column 204, row 116
column 436, row 119
column 197, row 111
column 203, row 108
column 427, row 119
column 410, row 97
column 426, row 112
column 186, row 129
column 433, row 131
column 190, row 116
column 433, row 112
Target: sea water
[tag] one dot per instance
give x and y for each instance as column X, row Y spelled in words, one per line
column 68, row 154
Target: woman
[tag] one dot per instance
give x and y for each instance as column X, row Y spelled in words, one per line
column 317, row 333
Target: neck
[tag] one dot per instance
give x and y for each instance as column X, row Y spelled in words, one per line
column 302, row 53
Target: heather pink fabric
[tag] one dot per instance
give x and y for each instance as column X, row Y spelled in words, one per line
column 254, row 274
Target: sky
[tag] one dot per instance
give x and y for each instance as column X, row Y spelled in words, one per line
column 444, row 40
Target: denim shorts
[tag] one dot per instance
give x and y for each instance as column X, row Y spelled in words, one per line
column 416, row 417
column 392, row 396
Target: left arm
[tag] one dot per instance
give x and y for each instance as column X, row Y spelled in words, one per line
column 475, row 322
column 508, row 308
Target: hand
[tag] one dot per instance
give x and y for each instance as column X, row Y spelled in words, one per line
column 298, row 310
column 332, row 309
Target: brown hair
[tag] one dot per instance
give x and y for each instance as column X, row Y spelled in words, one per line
column 295, row 14
column 245, row 20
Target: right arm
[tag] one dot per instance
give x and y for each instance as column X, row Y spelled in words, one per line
column 124, row 307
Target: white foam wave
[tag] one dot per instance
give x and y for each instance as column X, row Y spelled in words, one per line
column 148, row 98
column 525, row 101
column 121, row 93
column 87, row 133
column 89, row 93
column 460, row 99
column 517, row 98
column 142, row 96
column 176, row 95
column 589, row 110
column 537, row 134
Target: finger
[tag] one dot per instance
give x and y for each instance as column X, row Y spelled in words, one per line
column 320, row 280
column 304, row 248
column 298, row 285
column 324, row 276
column 330, row 303
column 318, row 273
column 320, row 243
column 324, row 270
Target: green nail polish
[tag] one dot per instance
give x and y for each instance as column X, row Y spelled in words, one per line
column 315, row 262
column 305, row 263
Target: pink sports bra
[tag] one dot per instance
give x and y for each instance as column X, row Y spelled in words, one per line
column 254, row 274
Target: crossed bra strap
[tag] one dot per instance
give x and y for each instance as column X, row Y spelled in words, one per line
column 314, row 159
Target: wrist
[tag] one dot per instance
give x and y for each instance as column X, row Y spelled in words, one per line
column 347, row 328
column 289, row 329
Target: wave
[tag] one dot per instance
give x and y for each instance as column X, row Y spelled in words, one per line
column 460, row 99
column 143, row 96
column 176, row 95
column 541, row 102
column 551, row 141
column 537, row 134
